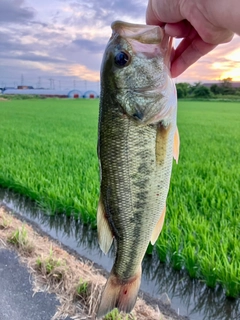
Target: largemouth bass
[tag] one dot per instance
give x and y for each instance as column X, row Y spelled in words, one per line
column 138, row 139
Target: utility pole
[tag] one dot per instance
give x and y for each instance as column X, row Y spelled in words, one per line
column 51, row 83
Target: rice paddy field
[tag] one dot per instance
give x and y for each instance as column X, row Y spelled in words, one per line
column 48, row 153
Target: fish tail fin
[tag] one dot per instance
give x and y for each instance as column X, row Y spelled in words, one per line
column 121, row 294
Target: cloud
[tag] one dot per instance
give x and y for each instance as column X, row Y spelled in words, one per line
column 218, row 64
column 14, row 11
column 103, row 13
column 33, row 57
column 81, row 71
column 90, row 45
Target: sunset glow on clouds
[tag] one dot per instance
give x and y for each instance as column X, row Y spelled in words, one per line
column 65, row 39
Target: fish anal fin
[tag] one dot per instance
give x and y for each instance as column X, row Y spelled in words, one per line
column 158, row 228
column 176, row 145
column 121, row 294
column 105, row 236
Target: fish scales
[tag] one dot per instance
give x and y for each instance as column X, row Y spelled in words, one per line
column 137, row 126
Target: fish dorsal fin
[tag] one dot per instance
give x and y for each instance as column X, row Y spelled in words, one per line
column 176, row 145
column 105, row 236
column 158, row 227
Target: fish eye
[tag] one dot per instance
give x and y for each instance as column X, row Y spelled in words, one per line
column 122, row 59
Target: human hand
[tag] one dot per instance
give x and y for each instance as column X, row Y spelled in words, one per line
column 193, row 21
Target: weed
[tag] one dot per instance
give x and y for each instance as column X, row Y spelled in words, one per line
column 82, row 289
column 51, row 267
column 115, row 315
column 19, row 238
column 5, row 222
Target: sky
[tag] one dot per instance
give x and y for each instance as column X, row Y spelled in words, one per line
column 59, row 43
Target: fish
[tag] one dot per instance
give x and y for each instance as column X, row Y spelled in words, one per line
column 137, row 141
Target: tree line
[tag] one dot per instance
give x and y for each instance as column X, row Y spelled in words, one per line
column 198, row 90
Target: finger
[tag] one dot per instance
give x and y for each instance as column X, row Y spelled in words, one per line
column 178, row 30
column 188, row 53
column 186, row 42
column 151, row 17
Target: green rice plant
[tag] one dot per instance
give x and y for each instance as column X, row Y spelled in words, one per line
column 150, row 249
column 52, row 157
column 174, row 246
column 162, row 251
column 208, row 269
column 229, row 275
column 190, row 260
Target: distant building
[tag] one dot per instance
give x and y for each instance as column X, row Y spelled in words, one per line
column 90, row 94
column 75, row 94
column 6, row 88
column 38, row 92
column 24, row 87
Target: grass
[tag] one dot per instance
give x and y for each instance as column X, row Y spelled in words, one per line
column 48, row 152
column 49, row 265
column 5, row 222
column 19, row 238
column 82, row 289
column 115, row 315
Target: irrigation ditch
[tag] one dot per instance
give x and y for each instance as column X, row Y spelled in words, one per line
column 190, row 298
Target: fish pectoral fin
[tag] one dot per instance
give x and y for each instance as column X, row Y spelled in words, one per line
column 105, row 236
column 158, row 227
column 176, row 145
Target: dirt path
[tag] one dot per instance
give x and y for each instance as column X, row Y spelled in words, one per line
column 77, row 284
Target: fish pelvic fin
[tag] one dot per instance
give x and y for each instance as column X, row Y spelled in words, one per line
column 105, row 236
column 158, row 228
column 121, row 294
column 176, row 145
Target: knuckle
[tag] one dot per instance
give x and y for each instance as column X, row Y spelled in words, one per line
column 216, row 36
